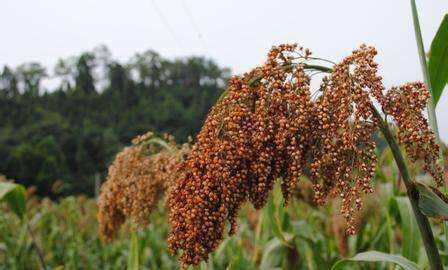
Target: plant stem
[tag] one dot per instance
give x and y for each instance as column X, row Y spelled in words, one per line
column 256, row 79
column 158, row 141
column 39, row 252
column 423, row 223
column 431, row 108
column 422, row 56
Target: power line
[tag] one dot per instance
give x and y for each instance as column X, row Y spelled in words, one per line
column 194, row 24
column 191, row 18
column 167, row 24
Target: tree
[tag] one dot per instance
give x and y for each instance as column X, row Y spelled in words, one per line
column 73, row 131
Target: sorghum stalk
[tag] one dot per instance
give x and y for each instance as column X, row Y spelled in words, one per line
column 431, row 106
column 423, row 223
column 39, row 251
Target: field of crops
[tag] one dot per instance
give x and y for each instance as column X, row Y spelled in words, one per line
column 279, row 175
column 300, row 236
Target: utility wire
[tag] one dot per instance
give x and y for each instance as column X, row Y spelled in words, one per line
column 194, row 24
column 167, row 24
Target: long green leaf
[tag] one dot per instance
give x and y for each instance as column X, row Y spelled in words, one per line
column 422, row 56
column 317, row 253
column 438, row 60
column 376, row 256
column 272, row 254
column 14, row 195
column 420, row 46
column 411, row 237
column 133, row 259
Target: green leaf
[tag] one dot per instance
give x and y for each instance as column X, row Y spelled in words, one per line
column 438, row 60
column 133, row 260
column 272, row 254
column 316, row 249
column 14, row 195
column 420, row 47
column 376, row 256
column 276, row 212
column 430, row 203
column 411, row 236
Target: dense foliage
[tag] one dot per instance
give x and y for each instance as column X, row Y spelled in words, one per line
column 301, row 236
column 60, row 139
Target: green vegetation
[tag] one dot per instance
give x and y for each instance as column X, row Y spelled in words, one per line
column 68, row 134
column 300, row 236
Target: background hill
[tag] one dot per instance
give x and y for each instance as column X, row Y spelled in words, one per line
column 61, row 137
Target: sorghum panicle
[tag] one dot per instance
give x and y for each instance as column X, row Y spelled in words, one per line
column 136, row 181
column 281, row 125
column 213, row 185
column 252, row 136
column 406, row 105
column 344, row 157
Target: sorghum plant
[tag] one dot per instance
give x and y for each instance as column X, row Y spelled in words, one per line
column 267, row 126
column 137, row 180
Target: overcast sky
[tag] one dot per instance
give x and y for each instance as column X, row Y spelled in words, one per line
column 237, row 34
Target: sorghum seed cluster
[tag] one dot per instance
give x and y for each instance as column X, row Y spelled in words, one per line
column 281, row 127
column 406, row 105
column 136, row 181
column 256, row 133
column 344, row 157
column 266, row 126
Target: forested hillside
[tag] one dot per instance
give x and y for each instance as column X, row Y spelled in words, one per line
column 59, row 136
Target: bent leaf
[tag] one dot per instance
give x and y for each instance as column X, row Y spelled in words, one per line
column 438, row 60
column 272, row 254
column 376, row 256
column 14, row 195
column 430, row 203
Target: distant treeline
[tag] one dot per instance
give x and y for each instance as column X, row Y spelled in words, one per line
column 70, row 133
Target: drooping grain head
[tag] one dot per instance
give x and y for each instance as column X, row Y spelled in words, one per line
column 252, row 136
column 136, row 181
column 344, row 157
column 406, row 104
column 266, row 126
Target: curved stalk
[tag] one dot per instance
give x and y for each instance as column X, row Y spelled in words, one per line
column 159, row 142
column 423, row 223
column 36, row 247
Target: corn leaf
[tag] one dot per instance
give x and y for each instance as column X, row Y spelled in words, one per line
column 402, row 210
column 14, row 195
column 272, row 254
column 376, row 256
column 438, row 60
